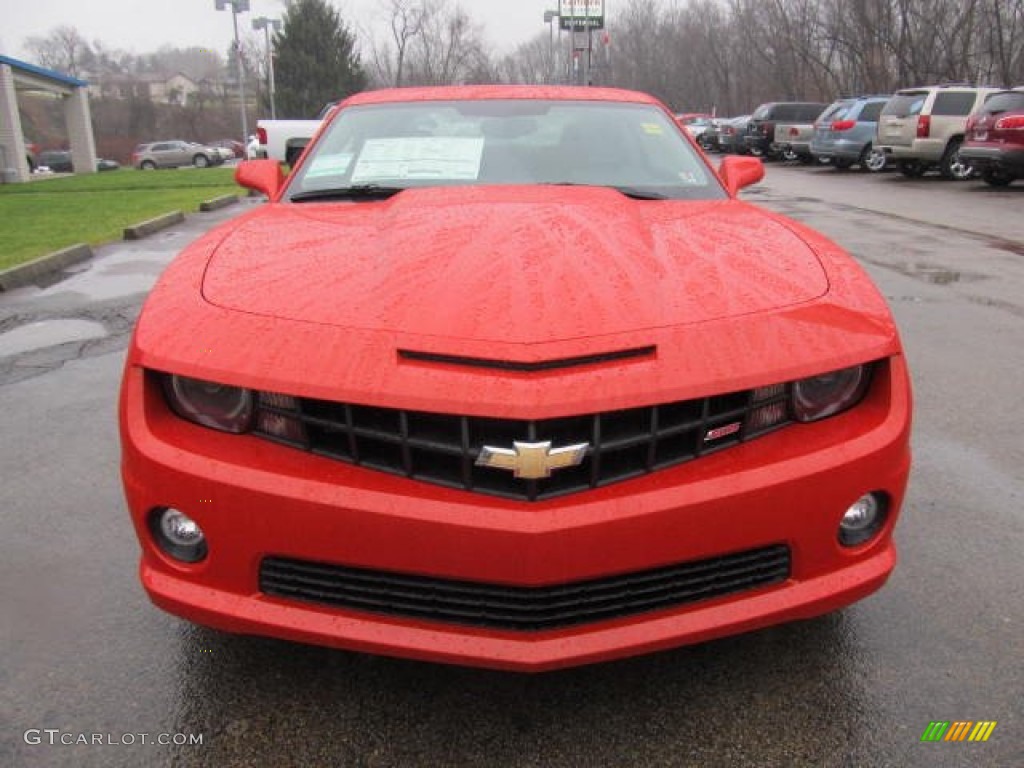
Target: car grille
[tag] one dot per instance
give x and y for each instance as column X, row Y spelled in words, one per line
column 524, row 609
column 443, row 449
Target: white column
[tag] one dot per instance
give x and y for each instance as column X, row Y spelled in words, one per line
column 79, row 123
column 11, row 138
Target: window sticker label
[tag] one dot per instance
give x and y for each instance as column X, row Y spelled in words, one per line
column 418, row 157
column 329, row 165
column 652, row 129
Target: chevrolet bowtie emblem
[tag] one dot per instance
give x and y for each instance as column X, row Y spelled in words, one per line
column 530, row 461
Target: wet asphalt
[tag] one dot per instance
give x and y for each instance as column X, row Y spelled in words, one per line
column 85, row 656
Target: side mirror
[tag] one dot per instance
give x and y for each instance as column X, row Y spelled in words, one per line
column 264, row 176
column 740, row 172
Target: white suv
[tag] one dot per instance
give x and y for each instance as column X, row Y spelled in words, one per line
column 921, row 128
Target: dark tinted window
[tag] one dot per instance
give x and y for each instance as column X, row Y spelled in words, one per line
column 808, row 113
column 1012, row 101
column 905, row 104
column 871, row 112
column 953, row 103
column 785, row 113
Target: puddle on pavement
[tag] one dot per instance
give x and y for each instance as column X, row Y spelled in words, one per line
column 48, row 333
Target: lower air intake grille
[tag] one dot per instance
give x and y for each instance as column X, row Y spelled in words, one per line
column 524, row 609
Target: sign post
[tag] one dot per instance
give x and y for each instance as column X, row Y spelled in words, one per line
column 581, row 18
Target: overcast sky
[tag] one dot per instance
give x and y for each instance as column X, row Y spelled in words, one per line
column 142, row 26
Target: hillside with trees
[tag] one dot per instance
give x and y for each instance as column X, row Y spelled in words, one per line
column 726, row 55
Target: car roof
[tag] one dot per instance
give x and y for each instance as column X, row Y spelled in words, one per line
column 483, row 92
column 947, row 87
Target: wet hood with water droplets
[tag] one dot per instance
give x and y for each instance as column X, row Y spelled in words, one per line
column 511, row 264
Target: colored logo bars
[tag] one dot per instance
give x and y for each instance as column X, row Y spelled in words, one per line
column 958, row 730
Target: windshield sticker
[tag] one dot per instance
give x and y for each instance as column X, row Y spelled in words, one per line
column 418, row 157
column 652, row 129
column 329, row 165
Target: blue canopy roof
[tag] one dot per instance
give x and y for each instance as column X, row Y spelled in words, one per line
column 48, row 74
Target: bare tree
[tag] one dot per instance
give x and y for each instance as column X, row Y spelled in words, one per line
column 534, row 62
column 405, row 23
column 450, row 46
column 63, row 49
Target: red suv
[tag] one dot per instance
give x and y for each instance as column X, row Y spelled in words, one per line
column 994, row 141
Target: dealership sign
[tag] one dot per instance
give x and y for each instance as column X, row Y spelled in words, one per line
column 580, row 14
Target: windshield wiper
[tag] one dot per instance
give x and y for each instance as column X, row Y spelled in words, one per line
column 354, row 192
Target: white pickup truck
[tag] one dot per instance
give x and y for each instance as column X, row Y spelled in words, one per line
column 284, row 140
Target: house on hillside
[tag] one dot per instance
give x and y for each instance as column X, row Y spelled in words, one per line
column 178, row 88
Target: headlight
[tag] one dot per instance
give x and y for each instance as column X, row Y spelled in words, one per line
column 828, row 394
column 219, row 406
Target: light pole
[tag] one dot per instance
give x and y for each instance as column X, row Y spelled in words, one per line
column 266, row 24
column 237, row 7
column 549, row 17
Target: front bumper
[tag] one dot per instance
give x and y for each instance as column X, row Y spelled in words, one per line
column 256, row 499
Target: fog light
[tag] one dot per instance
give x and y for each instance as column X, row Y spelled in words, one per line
column 862, row 520
column 177, row 534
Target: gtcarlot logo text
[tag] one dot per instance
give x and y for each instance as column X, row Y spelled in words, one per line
column 56, row 737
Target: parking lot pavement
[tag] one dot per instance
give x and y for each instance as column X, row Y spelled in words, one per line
column 962, row 207
column 89, row 308
column 86, row 655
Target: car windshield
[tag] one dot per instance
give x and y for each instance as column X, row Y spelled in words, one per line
column 375, row 150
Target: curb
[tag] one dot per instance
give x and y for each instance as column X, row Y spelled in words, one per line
column 217, row 203
column 25, row 274
column 152, row 226
column 30, row 272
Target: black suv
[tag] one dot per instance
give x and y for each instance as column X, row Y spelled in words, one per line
column 759, row 138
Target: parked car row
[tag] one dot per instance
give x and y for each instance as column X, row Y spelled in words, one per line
column 177, row 153
column 844, row 134
column 994, row 144
column 59, row 161
column 959, row 130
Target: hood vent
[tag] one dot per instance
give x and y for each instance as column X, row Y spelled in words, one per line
column 528, row 367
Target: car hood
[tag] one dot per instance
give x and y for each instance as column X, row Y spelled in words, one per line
column 511, row 264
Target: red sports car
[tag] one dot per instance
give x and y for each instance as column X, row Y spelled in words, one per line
column 509, row 377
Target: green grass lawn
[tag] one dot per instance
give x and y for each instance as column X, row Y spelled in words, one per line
column 45, row 215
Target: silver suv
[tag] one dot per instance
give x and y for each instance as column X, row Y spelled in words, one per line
column 174, row 154
column 921, row 128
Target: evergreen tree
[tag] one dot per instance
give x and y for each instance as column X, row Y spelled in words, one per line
column 316, row 60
